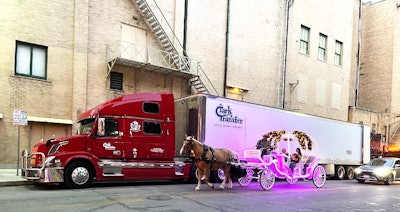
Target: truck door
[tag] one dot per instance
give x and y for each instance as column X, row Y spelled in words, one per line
column 105, row 142
column 149, row 140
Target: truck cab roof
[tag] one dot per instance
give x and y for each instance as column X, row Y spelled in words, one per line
column 136, row 104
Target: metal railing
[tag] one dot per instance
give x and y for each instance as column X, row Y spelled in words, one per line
column 148, row 55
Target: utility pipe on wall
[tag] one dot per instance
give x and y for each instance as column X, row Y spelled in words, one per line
column 226, row 47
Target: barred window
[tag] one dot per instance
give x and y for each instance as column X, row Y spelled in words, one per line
column 31, row 60
column 116, row 80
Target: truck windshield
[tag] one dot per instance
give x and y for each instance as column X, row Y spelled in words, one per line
column 85, row 126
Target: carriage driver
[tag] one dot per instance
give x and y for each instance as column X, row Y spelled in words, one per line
column 264, row 145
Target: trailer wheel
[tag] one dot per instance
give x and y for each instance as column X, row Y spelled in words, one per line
column 349, row 172
column 78, row 175
column 340, row 172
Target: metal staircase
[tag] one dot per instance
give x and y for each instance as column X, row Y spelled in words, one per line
column 166, row 36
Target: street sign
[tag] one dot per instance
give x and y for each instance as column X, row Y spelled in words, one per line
column 20, row 117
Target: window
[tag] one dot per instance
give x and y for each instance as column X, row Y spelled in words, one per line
column 322, row 46
column 151, row 107
column 116, row 80
column 338, row 53
column 30, row 60
column 304, row 39
column 107, row 127
column 151, row 128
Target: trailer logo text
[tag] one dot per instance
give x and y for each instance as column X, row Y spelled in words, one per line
column 225, row 115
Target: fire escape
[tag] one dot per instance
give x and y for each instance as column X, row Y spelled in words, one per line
column 165, row 61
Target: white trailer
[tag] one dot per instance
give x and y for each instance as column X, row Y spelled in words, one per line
column 238, row 125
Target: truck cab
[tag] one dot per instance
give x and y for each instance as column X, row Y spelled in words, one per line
column 127, row 138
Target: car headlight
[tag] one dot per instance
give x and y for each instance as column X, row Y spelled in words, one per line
column 357, row 170
column 382, row 172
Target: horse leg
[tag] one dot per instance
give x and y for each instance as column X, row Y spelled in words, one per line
column 229, row 181
column 206, row 176
column 200, row 175
column 222, row 185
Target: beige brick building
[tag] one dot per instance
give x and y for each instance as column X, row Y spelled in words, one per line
column 60, row 58
column 380, row 67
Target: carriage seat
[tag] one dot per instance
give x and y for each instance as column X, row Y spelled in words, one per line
column 304, row 165
column 253, row 156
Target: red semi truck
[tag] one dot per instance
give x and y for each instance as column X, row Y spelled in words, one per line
column 138, row 136
column 127, row 138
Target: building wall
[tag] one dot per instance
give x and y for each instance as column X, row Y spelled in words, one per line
column 315, row 86
column 377, row 64
column 50, row 24
column 81, row 34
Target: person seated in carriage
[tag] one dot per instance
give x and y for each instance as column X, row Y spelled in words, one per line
column 264, row 145
column 295, row 158
column 284, row 153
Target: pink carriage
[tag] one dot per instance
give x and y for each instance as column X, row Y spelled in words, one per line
column 278, row 164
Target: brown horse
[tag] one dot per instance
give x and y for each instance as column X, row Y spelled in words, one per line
column 207, row 159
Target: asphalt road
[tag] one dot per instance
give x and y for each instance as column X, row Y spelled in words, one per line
column 173, row 196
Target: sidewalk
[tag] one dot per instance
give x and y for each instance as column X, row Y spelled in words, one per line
column 8, row 177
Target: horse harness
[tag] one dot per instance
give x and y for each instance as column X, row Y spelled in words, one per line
column 204, row 157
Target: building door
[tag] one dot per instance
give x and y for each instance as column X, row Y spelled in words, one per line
column 133, row 43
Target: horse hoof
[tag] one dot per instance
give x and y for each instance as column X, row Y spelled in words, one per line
column 229, row 188
column 221, row 188
column 197, row 189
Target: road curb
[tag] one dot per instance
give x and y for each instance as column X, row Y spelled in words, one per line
column 16, row 183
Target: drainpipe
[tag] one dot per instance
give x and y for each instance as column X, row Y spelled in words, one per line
column 358, row 54
column 185, row 28
column 289, row 3
column 226, row 46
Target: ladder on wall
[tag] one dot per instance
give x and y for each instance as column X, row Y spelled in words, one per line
column 166, row 36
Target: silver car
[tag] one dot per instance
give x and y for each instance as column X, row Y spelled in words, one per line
column 384, row 170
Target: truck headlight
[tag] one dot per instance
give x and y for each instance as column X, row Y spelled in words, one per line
column 49, row 161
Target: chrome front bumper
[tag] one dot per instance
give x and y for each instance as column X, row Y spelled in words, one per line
column 41, row 173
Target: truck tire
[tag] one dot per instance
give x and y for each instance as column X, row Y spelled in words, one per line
column 349, row 172
column 193, row 174
column 78, row 174
column 340, row 172
column 217, row 176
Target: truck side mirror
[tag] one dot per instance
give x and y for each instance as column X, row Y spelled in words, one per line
column 101, row 126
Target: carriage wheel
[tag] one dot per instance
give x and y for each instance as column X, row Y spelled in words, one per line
column 246, row 180
column 319, row 176
column 266, row 179
column 291, row 180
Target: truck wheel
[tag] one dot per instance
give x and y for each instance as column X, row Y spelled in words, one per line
column 193, row 174
column 340, row 172
column 78, row 175
column 217, row 176
column 349, row 172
